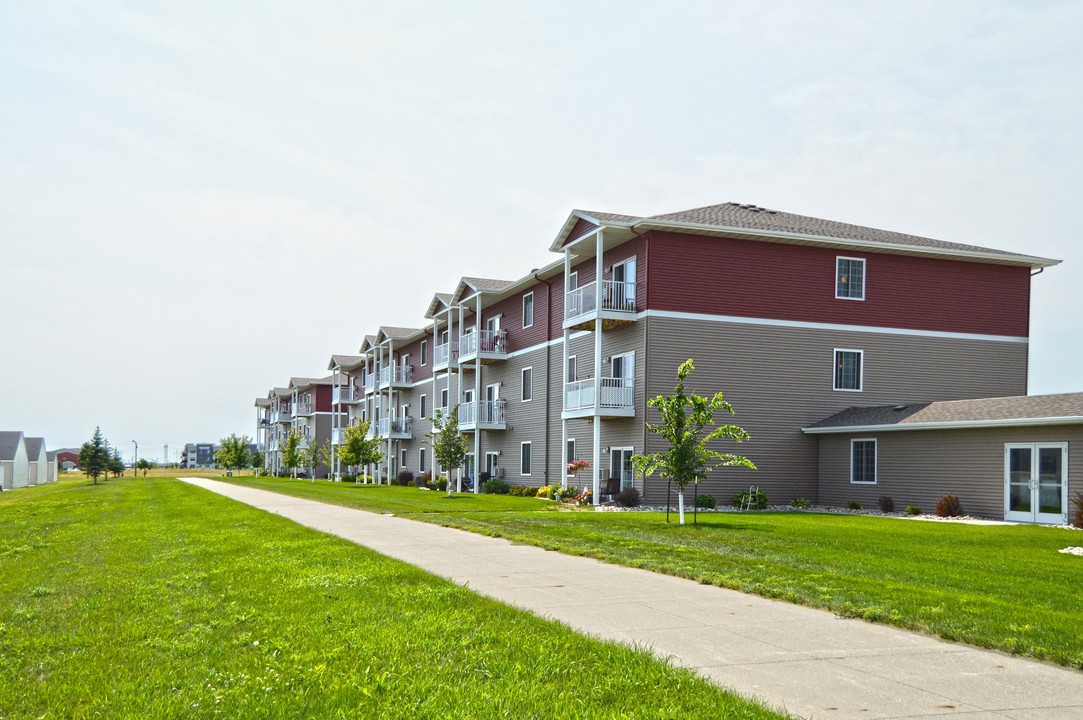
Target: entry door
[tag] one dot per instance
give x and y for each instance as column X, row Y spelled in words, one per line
column 620, row 466
column 468, row 467
column 492, row 460
column 1036, row 482
column 625, row 272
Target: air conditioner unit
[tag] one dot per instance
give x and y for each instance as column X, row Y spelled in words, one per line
column 499, row 472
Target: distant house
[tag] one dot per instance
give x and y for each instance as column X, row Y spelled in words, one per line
column 54, row 465
column 14, row 464
column 67, row 458
column 37, row 461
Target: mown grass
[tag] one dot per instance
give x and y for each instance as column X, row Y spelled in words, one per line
column 1002, row 587
column 154, row 599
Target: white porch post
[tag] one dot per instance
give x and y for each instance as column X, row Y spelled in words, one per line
column 459, row 390
column 477, row 393
column 564, row 373
column 336, row 376
column 597, row 365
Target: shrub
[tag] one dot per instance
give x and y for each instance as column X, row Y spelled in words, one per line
column 405, row 478
column 801, row 502
column 912, row 510
column 1076, row 517
column 887, row 503
column 854, row 505
column 949, row 506
column 758, row 500
column 423, row 480
column 495, row 486
column 484, row 476
column 522, row 491
column 628, row 497
column 548, row 492
column 705, row 500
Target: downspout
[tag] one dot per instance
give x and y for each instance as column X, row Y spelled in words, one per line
column 548, row 363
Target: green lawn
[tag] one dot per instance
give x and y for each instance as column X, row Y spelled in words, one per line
column 1003, row 587
column 155, row 599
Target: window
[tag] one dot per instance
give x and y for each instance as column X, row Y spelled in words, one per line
column 424, row 352
column 421, row 461
column 863, row 462
column 528, row 309
column 569, row 450
column 528, row 384
column 849, row 278
column 848, row 370
column 402, row 459
column 443, row 400
column 573, row 281
column 571, row 369
column 424, row 406
column 524, row 456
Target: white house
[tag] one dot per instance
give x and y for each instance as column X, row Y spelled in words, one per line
column 14, row 464
column 38, row 460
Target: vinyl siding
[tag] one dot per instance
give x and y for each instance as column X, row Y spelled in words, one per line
column 780, row 380
column 917, row 467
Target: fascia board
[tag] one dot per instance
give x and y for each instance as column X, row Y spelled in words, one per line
column 956, row 425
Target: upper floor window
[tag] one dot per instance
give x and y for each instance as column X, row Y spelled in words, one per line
column 528, row 309
column 863, row 461
column 849, row 369
column 424, row 352
column 528, row 384
column 849, row 278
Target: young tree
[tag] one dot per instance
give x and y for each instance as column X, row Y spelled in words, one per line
column 685, row 417
column 358, row 450
column 94, row 456
column 291, row 452
column 449, row 447
column 144, row 465
column 116, row 463
column 255, row 460
column 316, row 454
column 233, row 452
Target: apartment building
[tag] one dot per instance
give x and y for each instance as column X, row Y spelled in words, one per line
column 796, row 319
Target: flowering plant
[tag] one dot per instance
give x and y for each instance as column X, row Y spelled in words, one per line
column 583, row 498
column 576, row 465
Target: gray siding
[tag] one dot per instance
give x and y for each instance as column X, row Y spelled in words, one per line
column 916, row 467
column 780, row 379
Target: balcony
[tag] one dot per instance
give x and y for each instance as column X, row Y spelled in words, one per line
column 444, row 357
column 345, row 395
column 282, row 415
column 395, row 376
column 610, row 398
column 337, row 436
column 304, row 409
column 485, row 346
column 370, row 384
column 396, row 428
column 484, row 415
column 273, row 445
column 618, row 306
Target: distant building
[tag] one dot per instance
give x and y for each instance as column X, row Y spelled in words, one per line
column 24, row 461
column 199, row 456
column 67, row 458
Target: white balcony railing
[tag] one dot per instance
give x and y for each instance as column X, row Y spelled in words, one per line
column 282, row 415
column 394, row 375
column 486, row 412
column 337, row 436
column 304, row 409
column 492, row 342
column 612, row 393
column 342, row 394
column 443, row 355
column 396, row 426
column 370, row 383
column 616, row 295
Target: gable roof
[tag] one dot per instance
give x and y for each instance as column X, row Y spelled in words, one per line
column 440, row 301
column 34, row 446
column 471, row 285
column 263, row 402
column 1064, row 409
column 10, row 440
column 345, row 361
column 749, row 220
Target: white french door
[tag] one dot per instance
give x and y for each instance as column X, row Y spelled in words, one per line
column 1036, row 482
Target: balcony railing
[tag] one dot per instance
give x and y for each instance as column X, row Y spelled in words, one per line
column 370, row 383
column 616, row 296
column 484, row 344
column 395, row 376
column 337, row 436
column 610, row 394
column 484, row 415
column 345, row 394
column 282, row 415
column 396, row 428
column 444, row 355
column 304, row 409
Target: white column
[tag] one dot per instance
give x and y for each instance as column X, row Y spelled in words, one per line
column 564, row 372
column 597, row 364
column 477, row 394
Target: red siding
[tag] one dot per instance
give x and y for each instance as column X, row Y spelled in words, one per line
column 417, row 372
column 323, row 398
column 581, row 228
column 729, row 276
column 633, row 248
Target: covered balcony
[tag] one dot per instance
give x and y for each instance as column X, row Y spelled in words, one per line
column 618, row 305
column 337, row 436
column 395, row 376
column 370, row 384
column 396, row 428
column 485, row 346
column 484, row 415
column 304, row 409
column 282, row 415
column 608, row 398
column 444, row 357
column 345, row 395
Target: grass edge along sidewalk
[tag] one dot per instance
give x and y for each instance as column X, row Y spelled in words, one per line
column 1003, row 587
column 153, row 598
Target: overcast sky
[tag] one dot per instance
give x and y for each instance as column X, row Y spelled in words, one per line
column 199, row 200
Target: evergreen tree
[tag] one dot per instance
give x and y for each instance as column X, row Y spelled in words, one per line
column 116, row 463
column 94, row 456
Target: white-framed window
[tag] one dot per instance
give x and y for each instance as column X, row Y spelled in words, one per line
column 424, row 406
column 492, row 462
column 524, row 458
column 849, row 370
column 402, row 458
column 569, row 450
column 444, row 399
column 528, row 384
column 424, row 352
column 849, row 278
column 570, row 369
column 863, row 461
column 528, row 309
column 573, row 281
column 422, row 461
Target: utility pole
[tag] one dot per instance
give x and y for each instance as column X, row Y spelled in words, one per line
column 135, row 457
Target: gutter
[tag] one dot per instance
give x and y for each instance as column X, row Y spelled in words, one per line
column 955, row 425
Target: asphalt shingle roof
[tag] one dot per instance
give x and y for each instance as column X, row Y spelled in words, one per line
column 34, row 446
column 488, row 283
column 1004, row 410
column 9, row 443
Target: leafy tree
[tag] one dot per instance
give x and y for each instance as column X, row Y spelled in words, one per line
column 116, row 463
column 358, row 450
column 233, row 452
column 291, row 451
column 449, row 446
column 145, row 465
column 316, row 454
column 94, row 456
column 256, row 460
column 685, row 417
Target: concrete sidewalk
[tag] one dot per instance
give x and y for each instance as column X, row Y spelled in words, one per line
column 803, row 661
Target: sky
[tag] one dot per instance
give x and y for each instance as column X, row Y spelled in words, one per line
column 200, row 200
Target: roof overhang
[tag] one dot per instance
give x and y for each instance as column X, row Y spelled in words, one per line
column 946, row 425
